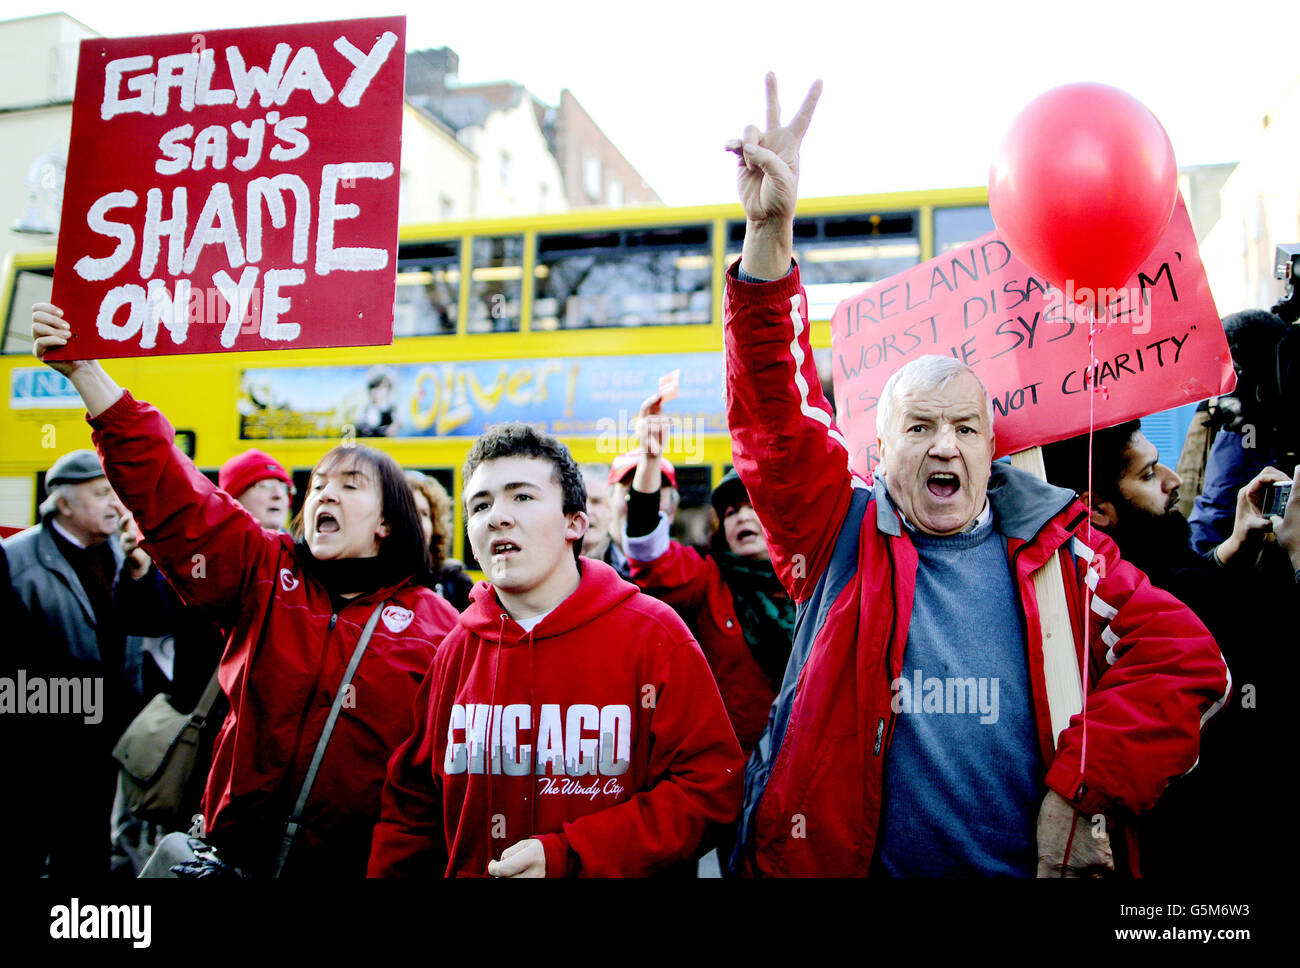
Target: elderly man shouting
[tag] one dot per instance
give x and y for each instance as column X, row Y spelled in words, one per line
column 911, row 736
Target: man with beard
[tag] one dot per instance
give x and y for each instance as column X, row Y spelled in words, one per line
column 1133, row 498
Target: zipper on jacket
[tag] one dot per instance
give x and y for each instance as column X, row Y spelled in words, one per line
column 1024, row 625
column 333, row 618
column 1020, row 604
column 893, row 627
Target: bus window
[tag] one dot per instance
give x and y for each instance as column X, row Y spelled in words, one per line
column 839, row 255
column 428, row 289
column 30, row 286
column 631, row 277
column 496, row 284
column 954, row 227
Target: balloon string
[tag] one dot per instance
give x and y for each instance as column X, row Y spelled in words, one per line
column 1101, row 564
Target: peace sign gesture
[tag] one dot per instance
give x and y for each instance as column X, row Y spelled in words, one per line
column 769, row 160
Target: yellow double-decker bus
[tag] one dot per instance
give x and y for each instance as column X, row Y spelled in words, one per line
column 566, row 321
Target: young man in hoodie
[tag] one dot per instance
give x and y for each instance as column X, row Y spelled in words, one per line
column 569, row 725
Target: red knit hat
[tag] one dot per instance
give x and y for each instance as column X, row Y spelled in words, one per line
column 625, row 465
column 244, row 470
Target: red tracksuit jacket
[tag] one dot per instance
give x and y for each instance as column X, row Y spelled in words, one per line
column 683, row 578
column 600, row 733
column 284, row 659
column 1155, row 674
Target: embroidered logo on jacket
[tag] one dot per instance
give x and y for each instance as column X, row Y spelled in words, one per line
column 396, row 617
column 583, row 740
column 287, row 581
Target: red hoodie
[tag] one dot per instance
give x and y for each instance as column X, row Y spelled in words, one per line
column 601, row 733
column 284, row 660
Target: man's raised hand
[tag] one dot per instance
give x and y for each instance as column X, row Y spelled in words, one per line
column 651, row 426
column 769, row 182
column 769, row 160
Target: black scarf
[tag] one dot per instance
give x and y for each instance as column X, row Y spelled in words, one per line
column 348, row 576
column 766, row 614
column 96, row 569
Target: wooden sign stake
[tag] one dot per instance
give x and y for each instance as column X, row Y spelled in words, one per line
column 1060, row 659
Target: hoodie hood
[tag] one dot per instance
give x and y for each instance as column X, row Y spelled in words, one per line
column 599, row 590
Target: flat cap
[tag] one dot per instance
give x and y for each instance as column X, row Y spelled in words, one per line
column 74, row 468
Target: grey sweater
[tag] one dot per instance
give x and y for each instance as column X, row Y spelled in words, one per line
column 962, row 782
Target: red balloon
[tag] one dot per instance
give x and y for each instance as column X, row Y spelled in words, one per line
column 1083, row 186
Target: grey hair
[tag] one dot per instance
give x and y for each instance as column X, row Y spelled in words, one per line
column 925, row 373
column 67, row 492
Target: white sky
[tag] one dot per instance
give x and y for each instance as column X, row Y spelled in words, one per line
column 916, row 95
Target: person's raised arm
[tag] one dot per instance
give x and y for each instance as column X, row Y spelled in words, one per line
column 662, row 567
column 650, row 428
column 49, row 330
column 786, row 448
column 206, row 543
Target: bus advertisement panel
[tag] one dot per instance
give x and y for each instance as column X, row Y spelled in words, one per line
column 566, row 396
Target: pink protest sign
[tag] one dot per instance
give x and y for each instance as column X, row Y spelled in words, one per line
column 1158, row 342
column 233, row 190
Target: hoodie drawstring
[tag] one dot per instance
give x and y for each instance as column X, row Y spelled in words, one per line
column 537, row 720
column 496, row 665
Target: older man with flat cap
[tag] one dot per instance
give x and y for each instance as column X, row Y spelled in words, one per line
column 64, row 571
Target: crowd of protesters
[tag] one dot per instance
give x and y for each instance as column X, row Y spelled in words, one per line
column 610, row 701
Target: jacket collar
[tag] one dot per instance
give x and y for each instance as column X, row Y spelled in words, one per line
column 1023, row 503
column 65, row 534
column 49, row 555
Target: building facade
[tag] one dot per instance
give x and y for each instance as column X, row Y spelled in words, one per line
column 1259, row 210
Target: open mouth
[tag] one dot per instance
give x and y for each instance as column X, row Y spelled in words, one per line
column 326, row 523
column 502, row 548
column 744, row 534
column 942, row 485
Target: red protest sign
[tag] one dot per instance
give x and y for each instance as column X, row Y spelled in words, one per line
column 1158, row 342
column 233, row 190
